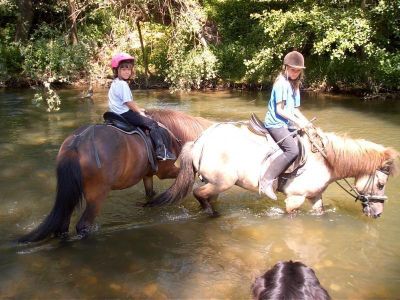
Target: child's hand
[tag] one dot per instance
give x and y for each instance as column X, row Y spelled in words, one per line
column 301, row 124
column 142, row 111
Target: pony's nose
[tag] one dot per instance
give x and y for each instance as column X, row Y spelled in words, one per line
column 377, row 215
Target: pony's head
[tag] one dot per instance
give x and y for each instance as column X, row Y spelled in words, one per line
column 371, row 187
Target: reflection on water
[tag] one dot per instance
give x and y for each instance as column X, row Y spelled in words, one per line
column 177, row 251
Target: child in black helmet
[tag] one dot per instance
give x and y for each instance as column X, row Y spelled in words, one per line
column 120, row 101
column 283, row 112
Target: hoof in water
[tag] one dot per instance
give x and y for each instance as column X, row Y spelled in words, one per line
column 63, row 235
column 83, row 233
column 212, row 213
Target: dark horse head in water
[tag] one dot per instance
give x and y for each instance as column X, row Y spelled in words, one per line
column 106, row 159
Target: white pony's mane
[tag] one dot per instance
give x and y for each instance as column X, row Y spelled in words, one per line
column 355, row 157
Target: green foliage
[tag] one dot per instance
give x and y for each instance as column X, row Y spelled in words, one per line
column 346, row 45
column 10, row 60
column 191, row 61
column 53, row 59
column 346, row 38
column 240, row 35
column 47, row 96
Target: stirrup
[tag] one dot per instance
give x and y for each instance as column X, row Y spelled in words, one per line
column 167, row 155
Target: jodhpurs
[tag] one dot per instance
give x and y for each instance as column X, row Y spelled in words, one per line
column 289, row 145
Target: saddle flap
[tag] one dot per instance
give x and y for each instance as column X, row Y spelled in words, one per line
column 300, row 160
column 118, row 121
column 256, row 126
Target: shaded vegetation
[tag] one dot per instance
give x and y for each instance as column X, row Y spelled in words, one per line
column 186, row 44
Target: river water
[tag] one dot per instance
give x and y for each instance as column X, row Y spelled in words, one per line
column 177, row 251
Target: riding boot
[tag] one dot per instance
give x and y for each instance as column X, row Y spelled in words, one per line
column 162, row 152
column 277, row 166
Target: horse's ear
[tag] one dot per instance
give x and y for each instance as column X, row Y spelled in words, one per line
column 391, row 160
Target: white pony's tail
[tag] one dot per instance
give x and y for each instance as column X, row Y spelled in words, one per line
column 183, row 183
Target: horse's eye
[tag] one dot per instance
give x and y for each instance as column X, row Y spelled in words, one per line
column 381, row 186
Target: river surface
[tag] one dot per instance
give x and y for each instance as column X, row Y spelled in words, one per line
column 178, row 251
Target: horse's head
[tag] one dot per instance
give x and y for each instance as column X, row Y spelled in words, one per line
column 371, row 190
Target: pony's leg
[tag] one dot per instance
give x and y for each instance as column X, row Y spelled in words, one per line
column 167, row 170
column 294, row 202
column 207, row 193
column 148, row 186
column 317, row 205
column 206, row 205
column 94, row 200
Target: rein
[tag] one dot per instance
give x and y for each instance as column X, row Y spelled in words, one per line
column 179, row 141
column 362, row 197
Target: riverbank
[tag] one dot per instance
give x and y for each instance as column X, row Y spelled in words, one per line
column 157, row 83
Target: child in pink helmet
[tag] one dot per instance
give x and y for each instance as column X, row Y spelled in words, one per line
column 120, row 101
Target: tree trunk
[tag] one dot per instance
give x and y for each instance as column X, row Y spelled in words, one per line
column 145, row 63
column 24, row 20
column 73, row 14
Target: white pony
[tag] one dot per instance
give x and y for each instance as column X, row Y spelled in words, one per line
column 228, row 154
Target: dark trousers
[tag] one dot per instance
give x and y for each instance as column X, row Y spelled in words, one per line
column 136, row 119
column 289, row 146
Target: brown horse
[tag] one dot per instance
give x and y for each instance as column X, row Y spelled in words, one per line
column 96, row 159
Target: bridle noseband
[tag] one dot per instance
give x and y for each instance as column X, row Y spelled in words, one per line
column 364, row 196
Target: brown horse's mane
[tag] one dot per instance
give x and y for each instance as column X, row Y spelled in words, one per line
column 185, row 127
column 355, row 157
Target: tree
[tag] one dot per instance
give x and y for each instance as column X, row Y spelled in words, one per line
column 73, row 14
column 24, row 20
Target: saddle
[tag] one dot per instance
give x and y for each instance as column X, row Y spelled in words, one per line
column 119, row 122
column 257, row 127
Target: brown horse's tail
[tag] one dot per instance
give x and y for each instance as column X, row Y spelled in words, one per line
column 183, row 183
column 69, row 195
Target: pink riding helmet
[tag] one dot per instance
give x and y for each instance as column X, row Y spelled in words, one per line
column 119, row 57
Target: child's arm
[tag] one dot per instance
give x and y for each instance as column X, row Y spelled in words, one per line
column 298, row 119
column 300, row 115
column 134, row 107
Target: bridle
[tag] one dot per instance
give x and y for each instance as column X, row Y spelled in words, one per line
column 365, row 197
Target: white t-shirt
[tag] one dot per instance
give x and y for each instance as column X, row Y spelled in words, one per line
column 118, row 95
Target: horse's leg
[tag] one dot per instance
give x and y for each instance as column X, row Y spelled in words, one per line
column 207, row 193
column 94, row 200
column 318, row 206
column 148, row 186
column 294, row 202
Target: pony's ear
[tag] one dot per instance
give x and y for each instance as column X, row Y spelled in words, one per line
column 391, row 160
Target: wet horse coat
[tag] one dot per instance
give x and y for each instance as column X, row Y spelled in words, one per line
column 96, row 159
column 227, row 155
